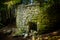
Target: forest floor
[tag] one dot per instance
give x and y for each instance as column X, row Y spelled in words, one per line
column 8, row 36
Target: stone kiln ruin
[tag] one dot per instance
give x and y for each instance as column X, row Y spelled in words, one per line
column 27, row 17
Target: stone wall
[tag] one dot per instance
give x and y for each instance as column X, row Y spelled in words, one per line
column 26, row 14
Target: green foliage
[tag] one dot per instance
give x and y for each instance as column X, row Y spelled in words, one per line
column 48, row 16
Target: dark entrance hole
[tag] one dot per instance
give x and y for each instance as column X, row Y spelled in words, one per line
column 32, row 26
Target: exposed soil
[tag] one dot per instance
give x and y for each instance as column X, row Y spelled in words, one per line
column 7, row 35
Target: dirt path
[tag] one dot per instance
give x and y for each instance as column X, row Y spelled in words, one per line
column 7, row 36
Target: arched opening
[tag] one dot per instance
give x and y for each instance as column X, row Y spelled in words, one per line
column 32, row 26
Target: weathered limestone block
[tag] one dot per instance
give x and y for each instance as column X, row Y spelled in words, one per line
column 26, row 14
